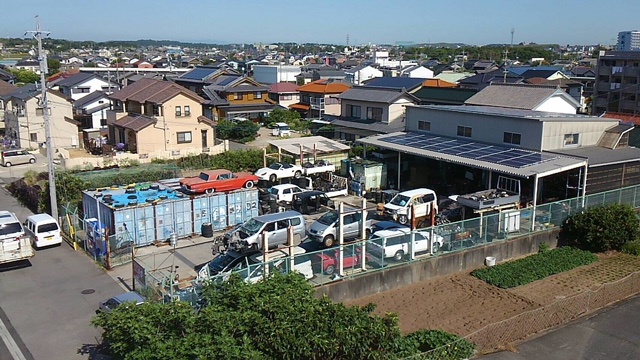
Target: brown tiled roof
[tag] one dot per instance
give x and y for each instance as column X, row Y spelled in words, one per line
column 325, row 87
column 283, row 87
column 6, row 88
column 148, row 92
column 153, row 91
column 135, row 123
column 132, row 89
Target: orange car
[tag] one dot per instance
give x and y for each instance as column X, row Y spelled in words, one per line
column 220, row 180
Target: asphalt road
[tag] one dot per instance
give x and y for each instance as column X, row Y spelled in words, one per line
column 43, row 313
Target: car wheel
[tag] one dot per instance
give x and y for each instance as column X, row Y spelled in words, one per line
column 328, row 241
column 398, row 255
column 297, row 174
column 436, row 246
column 403, row 219
column 210, row 191
column 248, row 184
column 32, row 161
column 273, row 178
column 330, row 269
column 7, row 164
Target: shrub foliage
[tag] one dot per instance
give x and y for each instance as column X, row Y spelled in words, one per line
column 534, row 267
column 602, row 228
column 278, row 318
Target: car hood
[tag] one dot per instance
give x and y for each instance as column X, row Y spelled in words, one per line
column 318, row 228
column 392, row 207
column 263, row 171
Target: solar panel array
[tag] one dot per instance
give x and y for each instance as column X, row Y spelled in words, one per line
column 198, row 73
column 496, row 154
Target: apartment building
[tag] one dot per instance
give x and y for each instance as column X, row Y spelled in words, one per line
column 617, row 83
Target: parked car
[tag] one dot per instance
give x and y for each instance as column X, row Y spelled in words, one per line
column 12, row 157
column 228, row 262
column 218, row 180
column 15, row 244
column 277, row 171
column 279, row 261
column 281, row 129
column 422, row 200
column 328, row 260
column 43, row 229
column 311, row 202
column 284, row 192
column 386, row 225
column 395, row 243
column 109, row 305
column 325, row 229
column 249, row 234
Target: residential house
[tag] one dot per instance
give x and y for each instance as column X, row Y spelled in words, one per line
column 236, row 96
column 617, row 88
column 201, row 76
column 416, row 71
column 5, row 89
column 479, row 81
column 28, row 64
column 358, row 75
column 91, row 110
column 7, row 76
column 24, row 118
column 318, row 98
column 461, row 149
column 452, row 77
column 371, row 110
column 159, row 119
column 328, row 73
column 484, row 66
column 143, row 64
column 82, row 84
column 272, row 74
column 575, row 89
column 527, row 97
column 284, row 94
column 440, row 92
column 546, row 74
column 410, row 84
column 583, row 71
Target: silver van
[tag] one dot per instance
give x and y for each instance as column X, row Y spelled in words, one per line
column 15, row 157
column 275, row 225
column 325, row 229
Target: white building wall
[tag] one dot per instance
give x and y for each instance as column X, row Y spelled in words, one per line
column 93, row 85
column 364, row 74
column 271, row 74
column 421, row 72
column 557, row 104
column 590, row 132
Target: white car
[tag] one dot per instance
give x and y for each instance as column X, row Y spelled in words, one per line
column 395, row 243
column 284, row 192
column 277, row 171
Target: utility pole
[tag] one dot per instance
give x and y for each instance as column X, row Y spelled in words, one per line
column 42, row 58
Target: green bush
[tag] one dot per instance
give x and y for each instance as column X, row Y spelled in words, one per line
column 241, row 131
column 241, row 160
column 534, row 267
column 632, row 248
column 602, row 228
column 441, row 345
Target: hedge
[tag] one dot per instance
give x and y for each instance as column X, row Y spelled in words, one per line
column 534, row 267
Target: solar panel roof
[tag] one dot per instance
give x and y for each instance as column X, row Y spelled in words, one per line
column 198, row 73
column 497, row 154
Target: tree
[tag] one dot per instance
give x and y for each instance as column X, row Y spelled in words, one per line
column 53, row 65
column 290, row 117
column 25, row 76
column 241, row 131
column 602, row 228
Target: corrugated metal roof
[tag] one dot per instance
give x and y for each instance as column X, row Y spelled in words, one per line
column 516, row 96
column 323, row 145
column 599, row 156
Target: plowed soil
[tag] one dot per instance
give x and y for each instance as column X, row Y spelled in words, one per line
column 461, row 303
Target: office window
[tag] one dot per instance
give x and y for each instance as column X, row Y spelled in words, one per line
column 184, row 137
column 512, row 138
column 187, row 111
column 571, row 139
column 374, row 113
column 178, row 111
column 424, row 125
column 464, row 131
column 257, row 95
column 237, row 96
column 353, row 111
column 33, row 137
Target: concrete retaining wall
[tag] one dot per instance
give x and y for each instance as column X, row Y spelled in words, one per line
column 397, row 276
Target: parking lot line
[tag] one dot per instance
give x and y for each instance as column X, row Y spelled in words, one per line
column 13, row 348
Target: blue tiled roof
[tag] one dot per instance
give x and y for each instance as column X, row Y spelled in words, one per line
column 396, row 82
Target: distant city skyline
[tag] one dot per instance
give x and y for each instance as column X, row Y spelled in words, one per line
column 587, row 22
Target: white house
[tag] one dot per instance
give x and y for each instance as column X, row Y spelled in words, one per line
column 525, row 97
column 360, row 74
column 82, row 84
column 416, row 71
column 272, row 74
column 91, row 110
column 29, row 64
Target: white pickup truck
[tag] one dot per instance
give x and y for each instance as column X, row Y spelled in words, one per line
column 15, row 245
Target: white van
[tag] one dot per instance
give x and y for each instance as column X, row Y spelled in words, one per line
column 399, row 208
column 44, row 230
column 281, row 129
column 395, row 243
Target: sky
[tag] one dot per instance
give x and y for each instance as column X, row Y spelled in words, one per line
column 330, row 21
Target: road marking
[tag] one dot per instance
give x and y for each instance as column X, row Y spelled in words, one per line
column 15, row 351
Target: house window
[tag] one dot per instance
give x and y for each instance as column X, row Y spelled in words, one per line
column 178, row 111
column 464, row 131
column 374, row 113
column 103, row 123
column 424, row 125
column 305, row 99
column 237, row 96
column 257, row 95
column 286, row 97
column 353, row 111
column 187, row 110
column 184, row 137
column 571, row 139
column 81, row 90
column 39, row 111
column 512, row 138
column 33, row 137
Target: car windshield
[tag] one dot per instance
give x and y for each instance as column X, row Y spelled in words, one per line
column 328, row 218
column 400, row 200
column 275, row 166
column 219, row 263
column 10, row 228
column 283, row 127
column 252, row 226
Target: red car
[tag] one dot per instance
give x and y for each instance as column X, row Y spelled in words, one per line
column 218, row 180
column 329, row 262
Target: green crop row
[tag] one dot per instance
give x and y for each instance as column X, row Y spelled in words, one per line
column 534, row 267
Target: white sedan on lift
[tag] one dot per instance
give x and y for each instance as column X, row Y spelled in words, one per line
column 277, row 171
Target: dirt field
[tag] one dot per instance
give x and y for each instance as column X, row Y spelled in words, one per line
column 461, row 303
